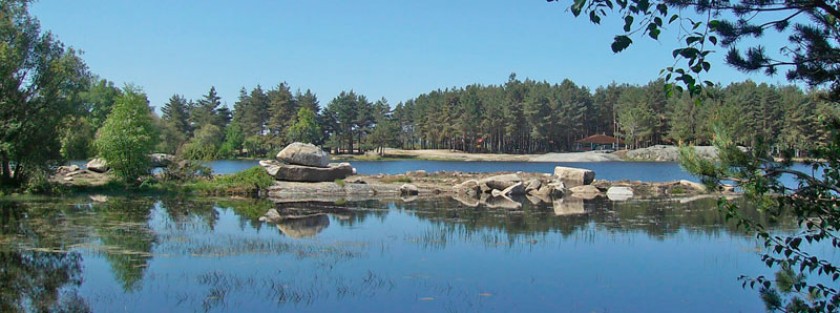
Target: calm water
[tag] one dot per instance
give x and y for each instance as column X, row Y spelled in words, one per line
column 643, row 171
column 187, row 255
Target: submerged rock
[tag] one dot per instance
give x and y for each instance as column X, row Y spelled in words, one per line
column 585, row 192
column 297, row 226
column 502, row 202
column 568, row 206
column 304, row 154
column 466, row 200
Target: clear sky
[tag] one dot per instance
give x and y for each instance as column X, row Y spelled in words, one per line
column 384, row 48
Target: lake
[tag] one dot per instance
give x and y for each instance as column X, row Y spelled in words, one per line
column 432, row 255
column 642, row 171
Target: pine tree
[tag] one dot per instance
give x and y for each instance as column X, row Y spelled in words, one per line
column 206, row 111
column 174, row 112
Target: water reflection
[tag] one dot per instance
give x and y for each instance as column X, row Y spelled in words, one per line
column 35, row 278
column 438, row 254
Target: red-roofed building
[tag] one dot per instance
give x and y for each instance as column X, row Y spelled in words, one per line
column 598, row 142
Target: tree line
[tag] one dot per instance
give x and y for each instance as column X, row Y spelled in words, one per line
column 515, row 117
column 519, row 116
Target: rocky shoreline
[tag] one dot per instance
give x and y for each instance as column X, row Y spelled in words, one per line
column 303, row 172
column 472, row 188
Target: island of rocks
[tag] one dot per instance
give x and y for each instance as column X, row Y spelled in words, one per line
column 303, row 172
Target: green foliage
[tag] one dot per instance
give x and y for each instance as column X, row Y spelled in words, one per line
column 209, row 111
column 77, row 139
column 340, row 182
column 176, row 114
column 812, row 201
column 205, row 144
column 185, row 170
column 248, row 182
column 282, row 107
column 169, row 138
column 128, row 137
column 635, row 117
column 40, row 81
column 98, row 100
column 762, row 118
column 386, row 129
column 305, row 128
column 810, row 54
column 347, row 117
column 233, row 142
column 250, row 112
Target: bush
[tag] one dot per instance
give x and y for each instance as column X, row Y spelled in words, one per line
column 249, row 181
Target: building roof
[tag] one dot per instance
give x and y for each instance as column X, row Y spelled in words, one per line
column 600, row 140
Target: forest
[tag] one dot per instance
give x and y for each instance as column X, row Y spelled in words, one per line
column 515, row 117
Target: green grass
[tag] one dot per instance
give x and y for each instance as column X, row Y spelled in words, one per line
column 339, row 182
column 248, row 181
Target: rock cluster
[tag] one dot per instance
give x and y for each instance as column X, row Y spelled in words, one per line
column 300, row 162
column 498, row 191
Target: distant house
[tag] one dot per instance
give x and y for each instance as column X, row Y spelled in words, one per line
column 598, row 142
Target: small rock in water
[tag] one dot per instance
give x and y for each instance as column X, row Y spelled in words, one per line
column 619, row 193
column 409, row 190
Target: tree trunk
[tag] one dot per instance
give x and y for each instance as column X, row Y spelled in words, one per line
column 5, row 170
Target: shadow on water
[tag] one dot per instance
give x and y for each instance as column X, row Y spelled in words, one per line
column 189, row 254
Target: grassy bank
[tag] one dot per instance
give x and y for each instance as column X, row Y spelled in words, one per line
column 246, row 183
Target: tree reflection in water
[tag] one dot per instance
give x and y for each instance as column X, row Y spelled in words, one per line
column 32, row 279
column 42, row 245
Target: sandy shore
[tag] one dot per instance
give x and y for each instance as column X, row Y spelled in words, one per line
column 452, row 155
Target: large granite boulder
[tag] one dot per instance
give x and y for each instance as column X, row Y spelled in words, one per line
column 304, row 154
column 298, row 173
column 161, row 159
column 500, row 182
column 574, row 177
column 98, row 165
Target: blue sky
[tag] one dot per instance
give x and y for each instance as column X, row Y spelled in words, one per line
column 391, row 49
